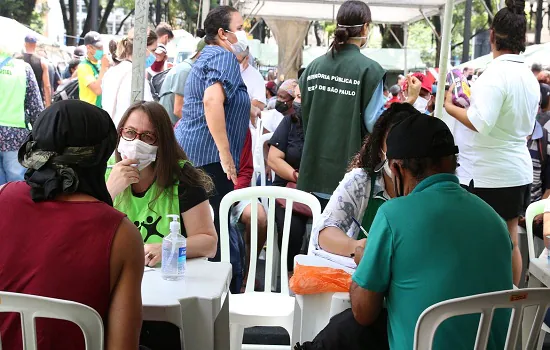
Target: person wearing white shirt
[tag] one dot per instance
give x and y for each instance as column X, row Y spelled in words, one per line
column 117, row 82
column 253, row 80
column 492, row 133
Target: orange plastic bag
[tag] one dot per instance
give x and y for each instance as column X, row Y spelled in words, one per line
column 315, row 279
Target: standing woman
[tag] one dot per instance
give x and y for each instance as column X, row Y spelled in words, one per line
column 494, row 160
column 342, row 96
column 216, row 109
column 117, row 82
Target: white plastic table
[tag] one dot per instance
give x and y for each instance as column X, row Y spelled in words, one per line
column 317, row 309
column 199, row 303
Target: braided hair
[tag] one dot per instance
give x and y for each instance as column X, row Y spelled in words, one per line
column 509, row 27
column 351, row 18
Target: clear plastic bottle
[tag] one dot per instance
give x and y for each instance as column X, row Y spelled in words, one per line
column 174, row 252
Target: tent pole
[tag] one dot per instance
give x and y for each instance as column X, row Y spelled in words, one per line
column 140, row 46
column 395, row 36
column 430, row 24
column 405, row 42
column 444, row 57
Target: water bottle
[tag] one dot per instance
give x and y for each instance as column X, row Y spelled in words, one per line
column 174, row 252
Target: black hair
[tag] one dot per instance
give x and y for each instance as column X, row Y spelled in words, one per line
column 351, row 13
column 300, row 72
column 219, row 17
column 509, row 27
column 200, row 33
column 369, row 155
column 73, row 63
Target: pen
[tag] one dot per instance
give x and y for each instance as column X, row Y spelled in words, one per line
column 361, row 227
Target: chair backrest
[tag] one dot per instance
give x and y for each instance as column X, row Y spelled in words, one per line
column 258, row 159
column 485, row 304
column 32, row 306
column 271, row 193
column 533, row 210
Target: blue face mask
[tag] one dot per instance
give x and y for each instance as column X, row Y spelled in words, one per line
column 98, row 55
column 150, row 60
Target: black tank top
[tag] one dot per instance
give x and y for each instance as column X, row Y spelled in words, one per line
column 36, row 65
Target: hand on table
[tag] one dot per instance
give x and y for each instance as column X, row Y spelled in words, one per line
column 153, row 254
column 124, row 174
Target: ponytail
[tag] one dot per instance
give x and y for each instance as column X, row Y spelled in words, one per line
column 509, row 27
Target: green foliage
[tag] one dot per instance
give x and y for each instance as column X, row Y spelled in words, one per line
column 20, row 10
column 329, row 29
column 37, row 22
column 421, row 36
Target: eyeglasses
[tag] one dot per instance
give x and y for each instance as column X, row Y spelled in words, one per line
column 130, row 135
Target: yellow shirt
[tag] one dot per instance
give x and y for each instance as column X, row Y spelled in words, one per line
column 86, row 76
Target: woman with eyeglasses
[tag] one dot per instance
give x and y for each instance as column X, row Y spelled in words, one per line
column 117, row 82
column 217, row 107
column 153, row 178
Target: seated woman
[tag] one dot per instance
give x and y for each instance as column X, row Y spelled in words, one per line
column 66, row 241
column 153, row 178
column 366, row 186
column 284, row 158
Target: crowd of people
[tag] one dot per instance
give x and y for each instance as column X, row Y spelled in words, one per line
column 100, row 172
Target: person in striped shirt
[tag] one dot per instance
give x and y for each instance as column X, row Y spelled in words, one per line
column 217, row 108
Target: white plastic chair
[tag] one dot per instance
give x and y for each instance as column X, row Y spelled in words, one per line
column 264, row 308
column 485, row 304
column 32, row 306
column 533, row 210
column 258, row 161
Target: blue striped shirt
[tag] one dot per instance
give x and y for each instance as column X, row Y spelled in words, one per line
column 215, row 64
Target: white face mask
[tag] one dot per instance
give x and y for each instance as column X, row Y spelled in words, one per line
column 361, row 38
column 139, row 150
column 242, row 41
column 421, row 104
column 387, row 168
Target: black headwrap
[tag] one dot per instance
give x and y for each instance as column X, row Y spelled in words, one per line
column 67, row 151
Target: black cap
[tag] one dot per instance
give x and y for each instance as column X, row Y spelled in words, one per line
column 420, row 136
column 93, row 38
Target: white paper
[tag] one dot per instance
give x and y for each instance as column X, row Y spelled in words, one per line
column 340, row 260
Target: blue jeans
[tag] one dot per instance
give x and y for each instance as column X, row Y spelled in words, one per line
column 10, row 169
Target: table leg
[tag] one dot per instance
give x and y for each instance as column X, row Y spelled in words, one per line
column 221, row 327
column 198, row 324
column 529, row 312
column 315, row 310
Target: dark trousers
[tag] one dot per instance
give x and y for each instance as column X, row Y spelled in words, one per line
column 343, row 332
column 222, row 186
column 159, row 336
column 297, row 231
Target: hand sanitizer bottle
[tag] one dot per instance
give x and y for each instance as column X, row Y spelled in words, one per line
column 174, row 252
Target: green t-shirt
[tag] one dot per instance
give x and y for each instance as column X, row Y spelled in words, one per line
column 174, row 83
column 439, row 242
column 335, row 93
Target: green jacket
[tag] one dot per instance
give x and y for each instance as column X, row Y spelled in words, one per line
column 335, row 93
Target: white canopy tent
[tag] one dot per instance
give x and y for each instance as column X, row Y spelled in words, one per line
column 401, row 12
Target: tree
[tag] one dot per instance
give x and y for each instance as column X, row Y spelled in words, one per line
column 19, row 10
column 68, row 9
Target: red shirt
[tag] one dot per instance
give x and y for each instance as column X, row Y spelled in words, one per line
column 392, row 100
column 58, row 250
column 246, row 166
